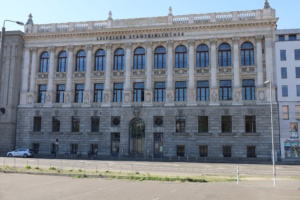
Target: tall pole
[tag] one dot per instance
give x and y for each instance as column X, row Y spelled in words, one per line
column 1, row 54
column 273, row 151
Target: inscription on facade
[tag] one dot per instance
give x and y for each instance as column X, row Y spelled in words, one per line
column 124, row 37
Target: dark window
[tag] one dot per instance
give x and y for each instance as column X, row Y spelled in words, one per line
column 297, row 112
column 37, row 124
column 203, row 124
column 35, row 147
column 42, row 93
column 95, row 121
column 297, row 69
column 139, row 58
column 62, row 62
column 284, row 90
column 292, row 37
column 247, row 54
column 203, row 151
column 119, row 59
column 250, row 124
column 202, row 56
column 224, row 55
column 180, row 124
column 225, row 90
column 281, row 37
column 80, row 61
column 202, row 91
column 159, row 91
column 160, row 58
column 98, row 92
column 226, row 124
column 138, row 92
column 282, row 55
column 181, row 57
column 118, row 92
column 100, row 60
column 285, row 112
column 251, row 151
column 75, row 124
column 297, row 54
column 298, row 90
column 248, row 90
column 79, row 93
column 74, row 148
column 60, row 89
column 227, row 151
column 55, row 124
column 180, row 150
column 44, row 62
column 180, row 88
column 283, row 72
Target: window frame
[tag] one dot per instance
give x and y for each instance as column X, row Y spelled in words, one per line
column 203, row 120
column 62, row 62
column 224, row 55
column 180, row 89
column 225, row 127
column 181, row 57
column 98, row 92
column 119, row 56
column 247, row 48
column 60, row 93
column 180, row 124
column 202, row 56
column 37, row 124
column 282, row 55
column 42, row 93
column 159, row 91
column 283, row 73
column 246, row 86
column 118, row 92
column 55, row 124
column 44, row 62
column 95, row 124
column 251, row 151
column 99, row 60
column 202, row 87
column 297, row 54
column 158, row 53
column 297, row 72
column 225, row 88
column 139, row 58
column 250, row 124
column 285, row 112
column 227, row 151
column 285, row 91
column 297, row 112
column 138, row 91
column 80, row 61
column 298, row 90
column 203, row 150
column 75, row 124
column 79, row 93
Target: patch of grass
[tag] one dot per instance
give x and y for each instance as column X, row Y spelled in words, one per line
column 80, row 176
column 52, row 168
column 27, row 167
column 80, row 170
column 70, row 170
column 36, row 168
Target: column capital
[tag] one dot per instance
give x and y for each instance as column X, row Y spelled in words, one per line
column 258, row 38
column 149, row 44
column 88, row 47
column 33, row 49
column 108, row 46
column 213, row 41
column 169, row 42
column 268, row 36
column 51, row 49
column 236, row 39
column 191, row 42
column 127, row 45
column 70, row 48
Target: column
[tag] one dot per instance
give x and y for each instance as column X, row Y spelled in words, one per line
column 149, row 65
column 259, row 61
column 32, row 97
column 191, row 86
column 88, row 74
column 214, row 92
column 25, row 74
column 68, row 93
column 269, row 65
column 237, row 90
column 107, row 88
column 170, row 87
column 50, row 94
column 127, row 88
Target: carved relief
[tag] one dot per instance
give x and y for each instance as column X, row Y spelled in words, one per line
column 191, row 95
column 79, row 74
column 248, row 69
column 86, row 98
column 214, row 96
column 159, row 72
column 106, row 98
column 180, row 71
column 169, row 96
column 118, row 73
column 148, row 98
column 29, row 99
column 203, row 71
column 98, row 73
column 261, row 95
column 60, row 75
column 138, row 72
column 42, row 75
column 48, row 98
column 224, row 69
column 237, row 96
column 126, row 98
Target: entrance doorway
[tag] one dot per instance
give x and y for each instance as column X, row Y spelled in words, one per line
column 137, row 136
column 158, row 145
column 115, row 144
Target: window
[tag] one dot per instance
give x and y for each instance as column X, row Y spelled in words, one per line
column 100, row 60
column 180, row 150
column 294, row 130
column 138, row 92
column 55, row 124
column 159, row 91
column 37, row 124
column 44, row 62
column 119, row 59
column 160, row 58
column 250, row 124
column 180, row 88
column 42, row 93
column 202, row 91
column 180, row 57
column 285, row 112
column 203, row 124
column 95, row 121
column 225, row 90
column 62, row 62
column 202, row 56
column 282, row 55
column 94, row 149
column 281, row 38
column 297, row 69
column 298, row 90
column 297, row 54
column 224, row 55
column 284, row 90
column 283, row 72
column 247, row 54
column 80, row 61
column 35, row 147
column 118, row 92
column 79, row 93
column 226, row 124
column 60, row 89
column 251, row 151
column 227, row 151
column 139, row 58
column 248, row 90
column 297, row 112
column 74, row 148
column 75, row 124
column 98, row 92
column 180, row 124
column 292, row 37
column 203, row 151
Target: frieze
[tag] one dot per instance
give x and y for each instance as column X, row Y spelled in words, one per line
column 159, row 72
column 98, row 73
column 60, row 75
column 248, row 69
column 79, row 74
column 225, row 69
column 202, row 70
column 138, row 72
column 118, row 73
column 180, row 71
column 42, row 75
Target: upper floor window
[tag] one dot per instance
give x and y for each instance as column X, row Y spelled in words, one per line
column 282, row 55
column 285, row 112
column 119, row 59
column 225, row 90
column 118, row 92
column 139, row 58
column 297, row 54
column 226, row 124
column 159, row 91
column 160, row 58
column 138, row 92
column 283, row 72
column 80, row 61
column 247, row 54
column 42, row 93
column 297, row 69
column 79, row 93
column 202, row 124
column 181, row 57
column 100, row 60
column 98, row 92
column 75, row 126
column 202, row 91
column 180, row 88
column 298, row 90
column 55, row 124
column 284, row 90
column 292, row 37
column 250, row 124
column 62, row 62
column 224, row 55
column 202, row 56
column 297, row 112
column 248, row 89
column 44, row 62
column 60, row 89
column 180, row 124
column 281, row 38
column 37, row 124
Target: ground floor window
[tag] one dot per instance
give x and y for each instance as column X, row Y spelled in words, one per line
column 35, row 147
column 74, row 148
column 251, row 151
column 115, row 144
column 203, row 151
column 292, row 149
column 180, row 150
column 227, row 151
column 158, row 145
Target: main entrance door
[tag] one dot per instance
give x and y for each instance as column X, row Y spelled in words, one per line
column 158, row 145
column 137, row 136
column 115, row 144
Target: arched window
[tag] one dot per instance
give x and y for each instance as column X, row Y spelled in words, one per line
column 224, row 55
column 44, row 62
column 247, row 54
column 119, row 59
column 202, row 56
column 139, row 58
column 160, row 58
column 81, row 61
column 62, row 62
column 100, row 60
column 180, row 57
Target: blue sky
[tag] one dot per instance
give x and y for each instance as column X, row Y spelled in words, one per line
column 59, row 11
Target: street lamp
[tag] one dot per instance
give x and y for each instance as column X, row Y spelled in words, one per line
column 273, row 152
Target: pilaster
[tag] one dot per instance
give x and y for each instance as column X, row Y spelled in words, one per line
column 127, row 98
column 214, row 97
column 236, row 66
column 25, row 74
column 128, row 58
column 148, row 98
column 107, row 98
column 33, row 69
column 68, row 98
column 169, row 97
column 50, row 98
column 170, row 65
column 69, row 68
column 237, row 96
column 213, row 62
column 51, row 69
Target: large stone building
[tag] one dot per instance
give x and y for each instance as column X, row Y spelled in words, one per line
column 190, row 85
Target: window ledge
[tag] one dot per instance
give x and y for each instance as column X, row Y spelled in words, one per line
column 180, row 134
column 56, row 133
column 203, row 134
column 74, row 133
column 251, row 134
column 94, row 133
column 227, row 134
column 36, row 132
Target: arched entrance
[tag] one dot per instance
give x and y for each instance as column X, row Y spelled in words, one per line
column 137, row 136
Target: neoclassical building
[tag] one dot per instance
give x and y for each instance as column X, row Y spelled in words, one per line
column 190, row 85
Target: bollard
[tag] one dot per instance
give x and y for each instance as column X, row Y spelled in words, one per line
column 237, row 175
column 205, row 158
column 196, row 158
column 187, row 159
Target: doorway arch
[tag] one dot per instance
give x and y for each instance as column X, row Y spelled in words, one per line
column 137, row 136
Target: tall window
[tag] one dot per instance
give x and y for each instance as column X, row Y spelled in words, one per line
column 95, row 121
column 160, row 58
column 98, row 92
column 138, row 92
column 180, row 57
column 180, row 88
column 281, row 37
column 225, row 90
column 80, row 61
column 226, row 124
column 74, row 148
column 297, row 112
column 180, row 124
column 248, row 90
column 159, row 91
column 247, row 54
column 60, row 89
column 297, row 69
column 100, row 60
column 203, row 124
column 42, row 93
column 285, row 112
column 297, row 54
column 224, row 55
column 227, row 151
column 203, row 151
column 250, row 124
column 202, row 56
column 202, row 91
column 282, row 55
column 118, row 92
column 251, row 151
column 119, row 59
column 62, row 62
column 75, row 124
column 44, row 62
column 79, row 93
column 37, row 124
column 285, row 90
column 55, row 124
column 139, row 58
column 298, row 90
column 283, row 72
